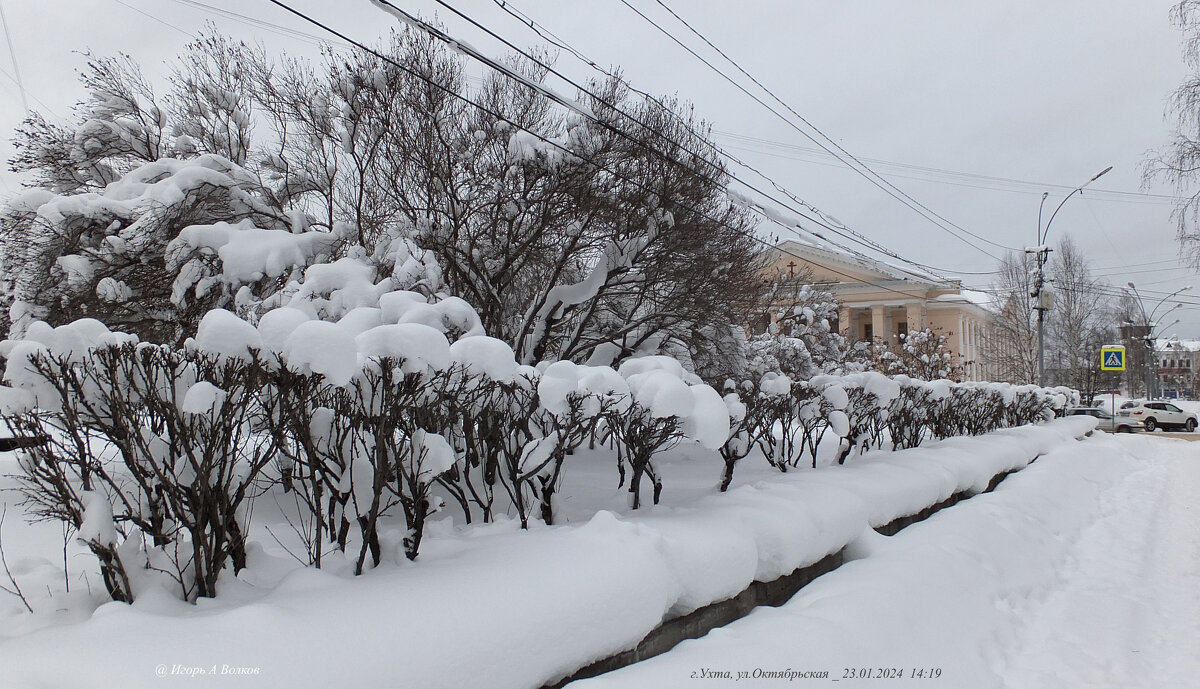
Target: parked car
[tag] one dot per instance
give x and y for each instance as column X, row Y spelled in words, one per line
column 1106, row 421
column 1156, row 414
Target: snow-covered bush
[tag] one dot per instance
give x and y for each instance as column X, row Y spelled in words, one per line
column 753, row 412
column 152, row 209
column 105, row 253
column 150, row 454
column 491, row 404
column 667, row 406
column 922, row 354
column 572, row 401
column 908, row 414
column 800, row 339
column 395, row 450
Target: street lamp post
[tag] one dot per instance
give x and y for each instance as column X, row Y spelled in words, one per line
column 1043, row 251
column 1150, row 375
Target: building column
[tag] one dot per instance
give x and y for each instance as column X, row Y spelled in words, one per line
column 846, row 323
column 962, row 344
column 915, row 313
column 878, row 323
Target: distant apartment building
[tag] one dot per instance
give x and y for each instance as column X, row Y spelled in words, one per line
column 1177, row 363
column 880, row 302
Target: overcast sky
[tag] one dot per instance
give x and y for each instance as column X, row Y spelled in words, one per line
column 972, row 108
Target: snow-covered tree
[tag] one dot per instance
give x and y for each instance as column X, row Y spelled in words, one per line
column 1179, row 159
column 115, row 187
column 921, row 354
column 800, row 339
column 1011, row 345
column 1080, row 322
column 613, row 239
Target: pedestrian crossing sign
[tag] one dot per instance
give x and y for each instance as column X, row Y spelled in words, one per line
column 1112, row 358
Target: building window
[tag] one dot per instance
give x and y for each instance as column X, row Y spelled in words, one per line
column 901, row 330
column 868, row 332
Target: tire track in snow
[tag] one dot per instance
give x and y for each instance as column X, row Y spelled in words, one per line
column 1127, row 610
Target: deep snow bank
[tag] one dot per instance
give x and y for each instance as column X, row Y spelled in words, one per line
column 951, row 598
column 499, row 608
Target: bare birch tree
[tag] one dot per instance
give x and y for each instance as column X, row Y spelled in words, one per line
column 1080, row 321
column 1012, row 341
column 1178, row 162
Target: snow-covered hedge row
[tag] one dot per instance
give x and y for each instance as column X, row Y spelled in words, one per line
column 153, row 452
column 787, row 420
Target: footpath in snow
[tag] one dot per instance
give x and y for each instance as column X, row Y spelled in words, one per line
column 1082, row 570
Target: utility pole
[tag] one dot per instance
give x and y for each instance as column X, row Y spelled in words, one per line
column 1040, row 293
column 1150, row 337
column 1042, row 302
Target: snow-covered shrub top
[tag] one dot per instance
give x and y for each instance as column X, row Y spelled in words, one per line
column 248, row 253
column 72, row 342
column 647, row 364
column 883, row 388
column 164, row 182
column 660, row 386
column 485, row 356
column 774, row 384
column 341, row 351
column 599, row 387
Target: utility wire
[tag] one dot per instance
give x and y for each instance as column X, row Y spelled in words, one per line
column 279, row 29
column 453, row 43
column 826, row 136
column 554, row 144
column 503, row 69
column 165, row 23
column 1130, row 197
column 823, row 219
column 550, row 37
column 876, row 180
column 1040, row 186
column 12, row 53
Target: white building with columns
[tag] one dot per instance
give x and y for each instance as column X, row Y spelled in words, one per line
column 880, row 302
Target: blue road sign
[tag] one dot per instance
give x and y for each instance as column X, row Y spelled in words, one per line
column 1112, row 358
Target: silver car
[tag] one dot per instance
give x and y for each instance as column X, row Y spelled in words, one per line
column 1106, row 422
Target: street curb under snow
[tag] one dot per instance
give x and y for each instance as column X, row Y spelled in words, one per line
column 779, row 591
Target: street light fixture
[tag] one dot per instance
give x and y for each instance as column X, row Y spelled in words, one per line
column 1150, row 336
column 1042, row 251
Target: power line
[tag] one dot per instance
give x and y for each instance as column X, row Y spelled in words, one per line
column 279, row 29
column 12, row 53
column 824, row 220
column 455, row 44
column 1138, row 265
column 1039, row 186
column 791, row 226
column 861, row 168
column 151, row 16
column 552, row 143
column 814, row 159
column 1137, row 272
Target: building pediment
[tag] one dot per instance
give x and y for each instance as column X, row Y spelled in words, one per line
column 833, row 267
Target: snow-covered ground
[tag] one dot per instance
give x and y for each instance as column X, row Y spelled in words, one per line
column 1080, row 570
